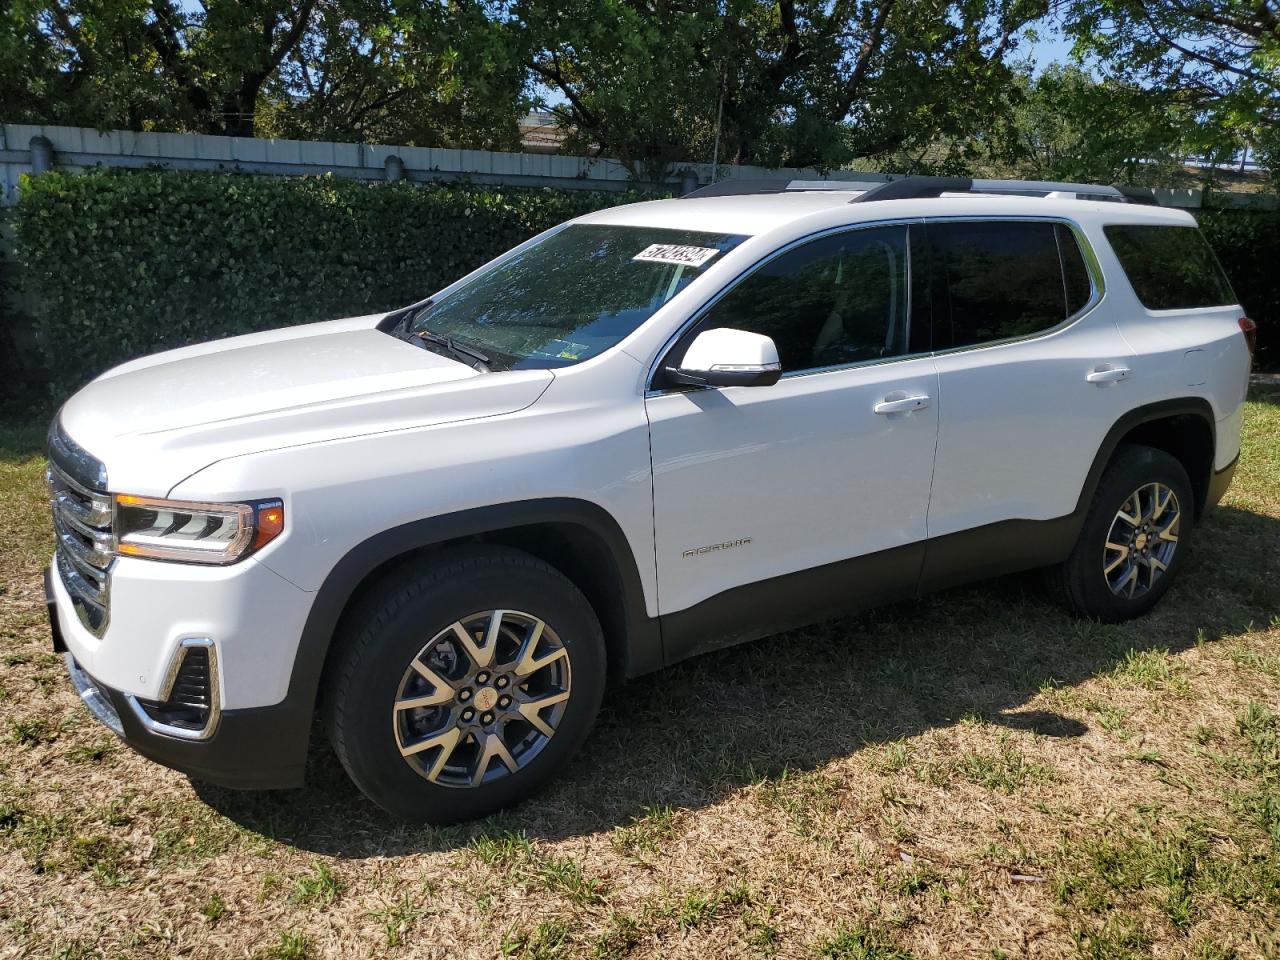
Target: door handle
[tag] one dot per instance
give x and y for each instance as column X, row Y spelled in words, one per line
column 1108, row 374
column 901, row 404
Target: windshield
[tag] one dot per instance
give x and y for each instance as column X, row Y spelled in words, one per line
column 570, row 296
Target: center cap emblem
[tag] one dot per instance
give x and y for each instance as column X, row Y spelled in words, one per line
column 487, row 698
column 1141, row 541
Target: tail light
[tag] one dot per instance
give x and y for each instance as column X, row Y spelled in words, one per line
column 1250, row 331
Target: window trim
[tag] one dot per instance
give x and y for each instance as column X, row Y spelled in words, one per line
column 1093, row 268
column 700, row 314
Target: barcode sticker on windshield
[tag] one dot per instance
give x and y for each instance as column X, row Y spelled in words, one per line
column 677, row 254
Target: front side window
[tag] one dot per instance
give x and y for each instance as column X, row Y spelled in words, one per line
column 1171, row 268
column 1003, row 279
column 834, row 301
column 570, row 296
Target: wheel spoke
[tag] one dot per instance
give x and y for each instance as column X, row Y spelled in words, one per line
column 493, row 747
column 1123, row 554
column 1157, row 566
column 443, row 692
column 1132, row 519
column 531, row 710
column 1160, row 505
column 429, row 700
column 1130, row 580
column 527, row 661
column 446, row 740
column 481, row 656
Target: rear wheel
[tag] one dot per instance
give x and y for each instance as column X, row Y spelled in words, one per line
column 1134, row 538
column 463, row 688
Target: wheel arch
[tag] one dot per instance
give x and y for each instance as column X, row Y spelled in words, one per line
column 1182, row 427
column 577, row 537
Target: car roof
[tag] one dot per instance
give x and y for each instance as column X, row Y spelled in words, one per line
column 753, row 214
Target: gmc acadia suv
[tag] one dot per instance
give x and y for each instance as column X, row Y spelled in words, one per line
column 652, row 431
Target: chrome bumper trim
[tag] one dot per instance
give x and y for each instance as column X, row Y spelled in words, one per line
column 93, row 697
column 215, row 709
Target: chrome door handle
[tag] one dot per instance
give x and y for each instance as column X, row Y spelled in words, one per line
column 901, row 404
column 1108, row 374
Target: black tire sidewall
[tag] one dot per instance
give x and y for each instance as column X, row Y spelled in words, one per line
column 402, row 623
column 1132, row 467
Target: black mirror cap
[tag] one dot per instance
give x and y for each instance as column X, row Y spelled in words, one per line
column 764, row 377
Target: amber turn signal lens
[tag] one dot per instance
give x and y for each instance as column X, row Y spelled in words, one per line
column 269, row 523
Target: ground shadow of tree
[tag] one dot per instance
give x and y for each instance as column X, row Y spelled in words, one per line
column 691, row 734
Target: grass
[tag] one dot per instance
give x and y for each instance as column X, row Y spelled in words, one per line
column 973, row 775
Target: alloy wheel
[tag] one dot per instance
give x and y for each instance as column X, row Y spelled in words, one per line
column 482, row 698
column 1142, row 540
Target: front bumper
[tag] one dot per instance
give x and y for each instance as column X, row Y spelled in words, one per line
column 262, row 748
column 253, row 747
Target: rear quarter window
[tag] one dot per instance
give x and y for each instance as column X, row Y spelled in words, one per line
column 1170, row 268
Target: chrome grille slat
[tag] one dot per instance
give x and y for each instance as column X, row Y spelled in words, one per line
column 99, row 502
column 82, row 526
column 91, row 512
column 75, row 553
column 99, row 542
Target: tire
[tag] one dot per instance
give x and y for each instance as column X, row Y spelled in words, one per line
column 1093, row 582
column 374, row 702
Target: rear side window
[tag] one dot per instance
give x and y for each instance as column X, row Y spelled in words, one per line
column 1171, row 268
column 1003, row 279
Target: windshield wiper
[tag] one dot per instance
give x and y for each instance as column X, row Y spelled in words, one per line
column 448, row 345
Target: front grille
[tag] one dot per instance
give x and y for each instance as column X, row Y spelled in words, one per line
column 82, row 526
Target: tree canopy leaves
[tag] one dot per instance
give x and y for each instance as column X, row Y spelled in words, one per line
column 908, row 85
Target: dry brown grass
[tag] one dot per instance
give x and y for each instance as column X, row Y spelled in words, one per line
column 974, row 775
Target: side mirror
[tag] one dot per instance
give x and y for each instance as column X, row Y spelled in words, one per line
column 728, row 358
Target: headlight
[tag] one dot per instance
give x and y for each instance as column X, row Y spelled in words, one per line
column 194, row 532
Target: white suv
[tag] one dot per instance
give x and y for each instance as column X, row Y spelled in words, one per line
column 649, row 432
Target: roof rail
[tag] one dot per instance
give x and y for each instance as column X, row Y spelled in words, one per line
column 911, row 188
column 742, row 188
column 917, row 187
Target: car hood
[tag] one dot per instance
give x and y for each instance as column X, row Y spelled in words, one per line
column 157, row 420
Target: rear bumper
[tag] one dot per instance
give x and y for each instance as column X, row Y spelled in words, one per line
column 1219, row 482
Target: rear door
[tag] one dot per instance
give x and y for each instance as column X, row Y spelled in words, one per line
column 1032, row 374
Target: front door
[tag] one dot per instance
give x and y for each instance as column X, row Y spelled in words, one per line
column 763, row 495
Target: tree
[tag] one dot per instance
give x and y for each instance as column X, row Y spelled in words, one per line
column 424, row 74
column 1072, row 126
column 1217, row 58
column 799, row 82
column 132, row 63
column 414, row 72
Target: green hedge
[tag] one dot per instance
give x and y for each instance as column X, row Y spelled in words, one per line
column 1248, row 244
column 123, row 263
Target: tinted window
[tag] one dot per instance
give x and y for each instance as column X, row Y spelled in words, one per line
column 838, row 300
column 1171, row 268
column 1003, row 279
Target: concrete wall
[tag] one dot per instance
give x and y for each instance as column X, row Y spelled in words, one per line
column 78, row 147
column 74, row 148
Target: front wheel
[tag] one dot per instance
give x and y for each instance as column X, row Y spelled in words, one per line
column 462, row 688
column 1134, row 537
